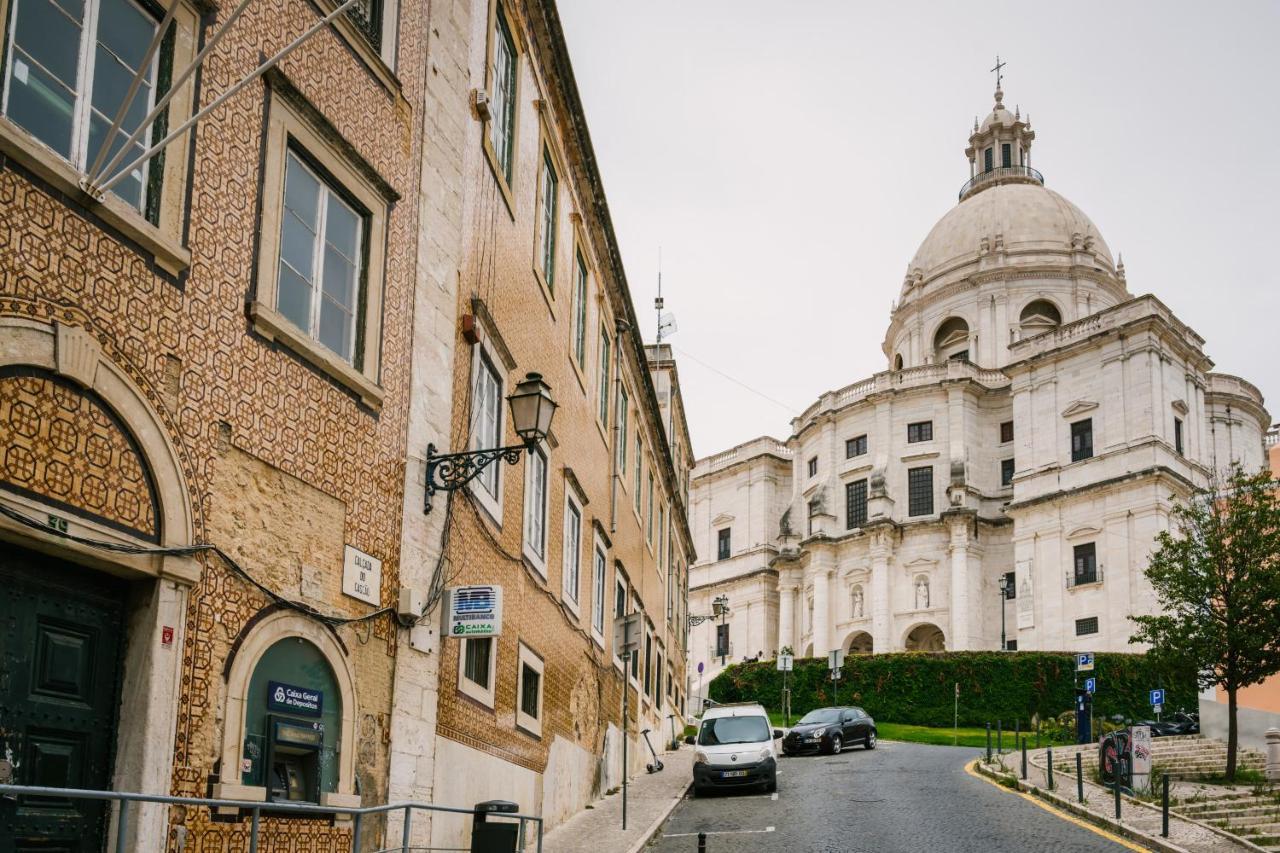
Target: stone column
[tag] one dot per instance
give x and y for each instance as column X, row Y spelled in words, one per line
column 821, row 599
column 959, row 639
column 1273, row 754
column 880, row 553
column 787, row 616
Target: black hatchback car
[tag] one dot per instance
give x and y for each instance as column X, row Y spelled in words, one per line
column 830, row 730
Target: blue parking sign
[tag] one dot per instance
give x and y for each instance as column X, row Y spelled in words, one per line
column 1157, row 697
column 1091, row 686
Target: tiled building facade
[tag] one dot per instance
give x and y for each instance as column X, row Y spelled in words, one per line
column 214, row 352
column 592, row 523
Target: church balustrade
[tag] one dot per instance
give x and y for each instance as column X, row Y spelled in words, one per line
column 1000, row 174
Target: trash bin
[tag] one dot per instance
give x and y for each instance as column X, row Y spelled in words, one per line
column 490, row 836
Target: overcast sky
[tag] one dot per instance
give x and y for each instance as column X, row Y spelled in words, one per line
column 789, row 158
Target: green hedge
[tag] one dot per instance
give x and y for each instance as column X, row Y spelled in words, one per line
column 919, row 687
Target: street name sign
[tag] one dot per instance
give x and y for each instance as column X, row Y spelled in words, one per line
column 626, row 634
column 785, row 663
column 1084, row 662
column 835, row 658
column 361, row 575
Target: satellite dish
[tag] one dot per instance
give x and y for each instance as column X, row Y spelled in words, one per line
column 667, row 324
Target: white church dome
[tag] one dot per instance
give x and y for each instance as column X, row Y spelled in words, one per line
column 1023, row 216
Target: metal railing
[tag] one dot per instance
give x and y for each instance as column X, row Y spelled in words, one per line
column 1084, row 578
column 1000, row 173
column 258, row 809
column 367, row 17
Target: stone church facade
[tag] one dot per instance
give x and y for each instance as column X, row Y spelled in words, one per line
column 1033, row 425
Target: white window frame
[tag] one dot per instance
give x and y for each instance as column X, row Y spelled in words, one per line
column 503, row 112
column 528, row 657
column 619, row 583
column 536, row 552
column 580, row 287
column 638, row 482
column 599, row 587
column 548, row 216
column 82, row 109
column 328, row 195
column 621, row 412
column 483, row 357
column 571, row 548
column 466, row 686
column 604, row 357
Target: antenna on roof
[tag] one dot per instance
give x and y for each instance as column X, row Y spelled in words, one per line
column 666, row 322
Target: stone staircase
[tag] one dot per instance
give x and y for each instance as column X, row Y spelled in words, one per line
column 1252, row 816
column 1186, row 757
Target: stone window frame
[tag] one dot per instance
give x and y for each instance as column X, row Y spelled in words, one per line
column 1084, row 427
column 916, row 501
column 292, row 127
column 604, row 363
column 813, row 467
column 724, row 543
column 505, row 182
column 467, row 687
column 380, row 61
column 527, row 657
column 919, row 428
column 1007, row 470
column 1084, row 623
column 856, row 446
column 163, row 240
column 548, row 160
column 251, row 645
column 853, row 499
column 1003, row 432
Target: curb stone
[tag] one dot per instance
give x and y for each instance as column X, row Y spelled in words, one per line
column 653, row 828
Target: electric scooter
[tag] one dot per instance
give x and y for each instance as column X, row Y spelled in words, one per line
column 657, row 762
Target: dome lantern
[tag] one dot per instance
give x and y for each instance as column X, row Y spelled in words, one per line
column 999, row 149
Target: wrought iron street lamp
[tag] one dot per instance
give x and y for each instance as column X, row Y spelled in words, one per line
column 532, row 409
column 1004, row 596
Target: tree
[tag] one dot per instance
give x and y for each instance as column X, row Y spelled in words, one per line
column 1216, row 576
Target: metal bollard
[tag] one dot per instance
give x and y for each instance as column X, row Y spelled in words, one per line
column 702, row 842
column 1164, row 810
column 1017, row 732
column 1079, row 779
column 253, row 831
column 1050, row 768
column 988, row 741
column 404, row 835
column 122, row 826
column 1037, row 734
column 1024, row 759
column 999, row 738
column 1115, row 786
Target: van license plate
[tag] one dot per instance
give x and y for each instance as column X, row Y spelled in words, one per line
column 733, row 774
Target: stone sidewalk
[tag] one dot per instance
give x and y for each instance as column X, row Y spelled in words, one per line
column 651, row 797
column 1138, row 820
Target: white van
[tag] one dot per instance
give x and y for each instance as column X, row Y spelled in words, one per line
column 735, row 748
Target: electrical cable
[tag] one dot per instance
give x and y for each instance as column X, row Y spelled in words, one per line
column 192, row 550
column 738, row 382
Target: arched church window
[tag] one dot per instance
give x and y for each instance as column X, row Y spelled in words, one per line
column 292, row 723
column 1040, row 315
column 951, row 341
column 897, row 361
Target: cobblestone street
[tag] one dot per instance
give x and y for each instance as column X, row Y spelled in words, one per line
column 900, row 798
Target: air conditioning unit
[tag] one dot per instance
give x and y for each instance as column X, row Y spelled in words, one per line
column 480, row 101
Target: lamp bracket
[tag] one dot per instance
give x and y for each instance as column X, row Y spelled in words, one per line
column 449, row 471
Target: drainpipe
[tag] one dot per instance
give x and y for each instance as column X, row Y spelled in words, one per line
column 621, row 327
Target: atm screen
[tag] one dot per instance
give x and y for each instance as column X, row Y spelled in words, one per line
column 302, row 735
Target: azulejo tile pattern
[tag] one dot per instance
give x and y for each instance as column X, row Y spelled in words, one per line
column 58, row 264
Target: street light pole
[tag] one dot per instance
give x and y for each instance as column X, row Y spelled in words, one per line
column 1004, row 583
column 720, row 607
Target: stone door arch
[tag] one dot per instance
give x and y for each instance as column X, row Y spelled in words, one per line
column 925, row 637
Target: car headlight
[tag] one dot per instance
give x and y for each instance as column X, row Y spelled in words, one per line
column 699, row 757
column 819, row 732
column 766, row 754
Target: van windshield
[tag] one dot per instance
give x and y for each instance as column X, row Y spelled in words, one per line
column 726, row 730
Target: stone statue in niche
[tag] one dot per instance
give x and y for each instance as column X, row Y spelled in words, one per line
column 784, row 525
column 922, row 592
column 857, row 601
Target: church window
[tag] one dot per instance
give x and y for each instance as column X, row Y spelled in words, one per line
column 1006, row 472
column 1006, row 432
column 921, row 431
column 962, row 355
column 813, row 466
column 722, row 544
column 1082, row 439
column 897, row 362
column 1010, row 585
column 855, row 498
column 1086, row 626
column 920, row 491
column 855, row 447
column 987, row 160
column 1086, row 564
column 1177, row 435
column 1006, row 155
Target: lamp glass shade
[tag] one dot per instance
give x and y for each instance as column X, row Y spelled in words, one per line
column 1004, row 582
column 532, row 409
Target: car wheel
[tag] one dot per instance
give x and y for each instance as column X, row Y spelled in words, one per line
column 697, row 791
column 836, row 745
column 870, row 741
column 772, row 784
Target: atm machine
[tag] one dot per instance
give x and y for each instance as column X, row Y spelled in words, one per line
column 1084, row 716
column 293, row 759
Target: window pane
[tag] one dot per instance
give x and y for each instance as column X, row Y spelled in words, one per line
column 111, row 81
column 50, row 38
column 130, row 188
column 40, row 105
column 529, row 682
column 476, row 664
column 342, row 228
column 297, row 246
column 126, row 30
column 294, row 297
column 335, row 328
column 301, row 192
column 339, row 278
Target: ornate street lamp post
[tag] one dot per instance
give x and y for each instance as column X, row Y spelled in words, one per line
column 531, row 411
column 1004, row 596
column 720, row 607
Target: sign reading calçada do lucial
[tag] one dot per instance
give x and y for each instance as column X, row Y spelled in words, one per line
column 473, row 611
column 361, row 575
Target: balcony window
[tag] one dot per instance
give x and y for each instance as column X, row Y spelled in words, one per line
column 722, row 544
column 1010, row 585
column 987, row 161
column 1086, row 564
column 855, row 499
column 1006, row 155
column 1177, row 435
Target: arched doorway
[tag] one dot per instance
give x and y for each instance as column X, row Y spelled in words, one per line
column 859, row 643
column 951, row 341
column 1040, row 315
column 926, row 638
column 808, row 650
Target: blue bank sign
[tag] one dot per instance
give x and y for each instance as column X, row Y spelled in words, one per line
column 292, row 699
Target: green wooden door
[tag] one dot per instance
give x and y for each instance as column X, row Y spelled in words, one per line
column 60, row 640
